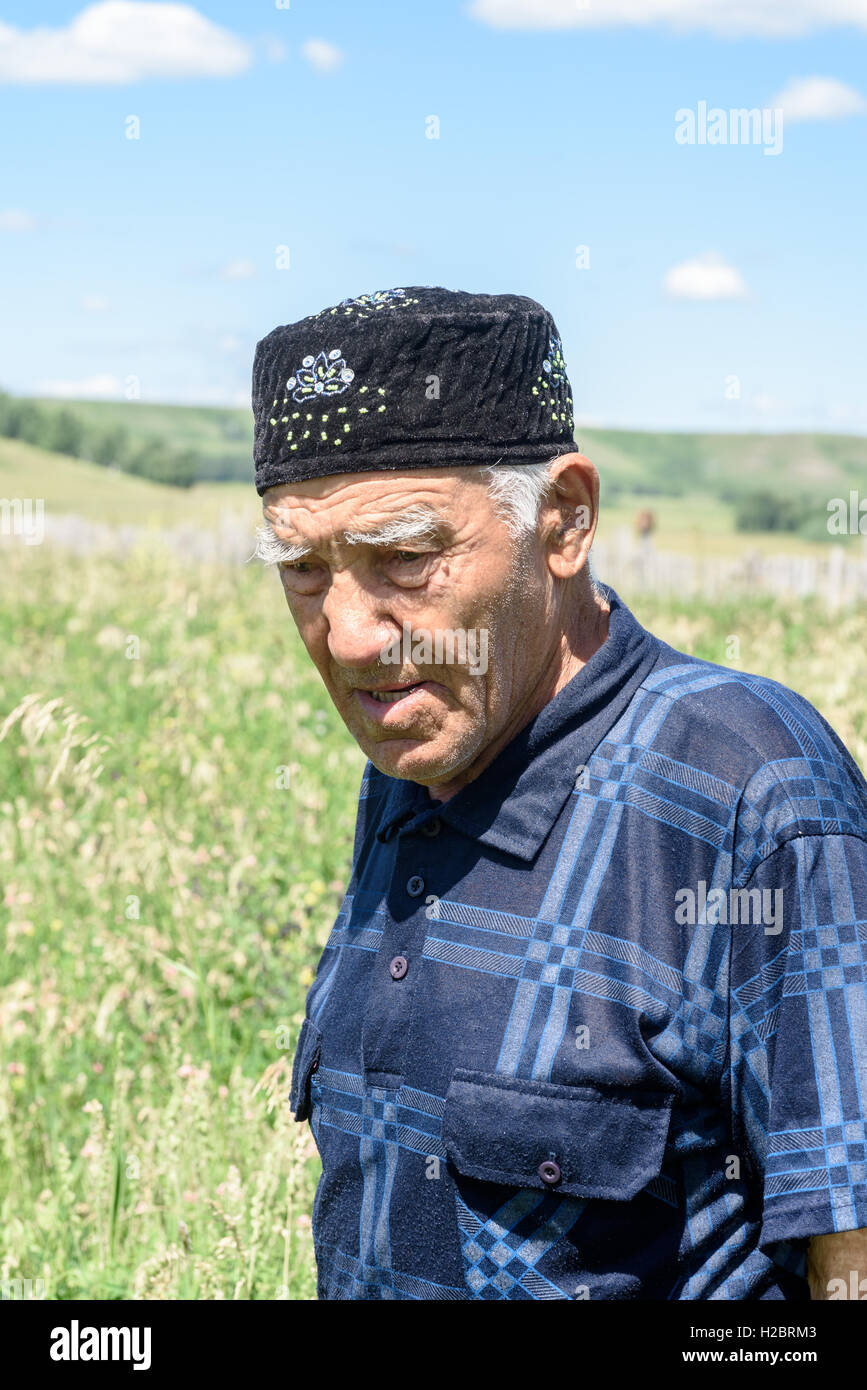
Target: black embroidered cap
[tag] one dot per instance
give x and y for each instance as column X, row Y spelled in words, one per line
column 420, row 377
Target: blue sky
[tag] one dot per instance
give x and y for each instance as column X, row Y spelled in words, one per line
column 722, row 287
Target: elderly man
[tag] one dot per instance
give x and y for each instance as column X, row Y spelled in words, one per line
column 592, row 1019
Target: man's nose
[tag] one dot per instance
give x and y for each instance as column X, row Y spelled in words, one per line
column 358, row 626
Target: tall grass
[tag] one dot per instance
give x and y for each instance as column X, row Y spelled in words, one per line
column 175, row 825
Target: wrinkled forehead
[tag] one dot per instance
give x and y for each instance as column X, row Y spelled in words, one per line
column 357, row 502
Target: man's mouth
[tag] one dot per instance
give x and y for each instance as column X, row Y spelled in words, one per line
column 378, row 702
column 389, row 697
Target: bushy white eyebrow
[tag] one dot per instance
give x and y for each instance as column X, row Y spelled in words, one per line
column 418, row 523
column 271, row 550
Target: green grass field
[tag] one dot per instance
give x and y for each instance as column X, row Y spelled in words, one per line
column 175, row 833
column 101, row 494
column 165, row 901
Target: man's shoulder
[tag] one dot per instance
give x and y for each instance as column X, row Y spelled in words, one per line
column 790, row 768
column 755, row 716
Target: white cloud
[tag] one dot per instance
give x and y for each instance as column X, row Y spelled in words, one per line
column 118, row 41
column 17, row 220
column 100, row 385
column 767, row 18
column 321, row 55
column 229, row 343
column 818, row 99
column 705, row 277
column 94, row 303
column 238, row 270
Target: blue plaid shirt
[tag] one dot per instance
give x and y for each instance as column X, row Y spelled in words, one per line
column 541, row 1059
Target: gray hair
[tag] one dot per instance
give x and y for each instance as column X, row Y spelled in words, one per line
column 518, row 491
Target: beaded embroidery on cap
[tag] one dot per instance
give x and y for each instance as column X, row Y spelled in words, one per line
column 554, row 364
column 326, row 374
column 553, row 379
column 364, row 305
column 320, row 377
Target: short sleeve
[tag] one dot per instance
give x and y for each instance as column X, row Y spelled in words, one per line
column 798, row 1036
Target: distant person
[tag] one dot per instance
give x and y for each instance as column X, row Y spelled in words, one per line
column 592, row 1019
column 645, row 524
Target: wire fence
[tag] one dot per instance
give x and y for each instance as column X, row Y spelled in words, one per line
column 837, row 577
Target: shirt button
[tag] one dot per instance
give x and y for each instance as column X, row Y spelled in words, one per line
column 432, row 827
column 415, row 886
column 549, row 1172
column 399, row 967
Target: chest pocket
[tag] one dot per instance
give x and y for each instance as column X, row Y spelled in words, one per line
column 527, row 1157
column 306, row 1062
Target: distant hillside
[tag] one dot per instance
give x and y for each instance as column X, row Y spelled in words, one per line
column 221, row 439
column 70, row 486
column 773, row 481
column 727, row 465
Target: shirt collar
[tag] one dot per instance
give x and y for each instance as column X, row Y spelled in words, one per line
column 513, row 804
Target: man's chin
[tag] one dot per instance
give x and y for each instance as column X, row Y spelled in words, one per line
column 414, row 759
column 406, row 757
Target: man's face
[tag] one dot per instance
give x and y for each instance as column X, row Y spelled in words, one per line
column 350, row 600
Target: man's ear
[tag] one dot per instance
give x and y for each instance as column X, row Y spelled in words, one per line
column 572, row 510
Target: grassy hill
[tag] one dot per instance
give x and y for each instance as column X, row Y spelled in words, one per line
column 728, row 465
column 223, row 439
column 103, row 494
